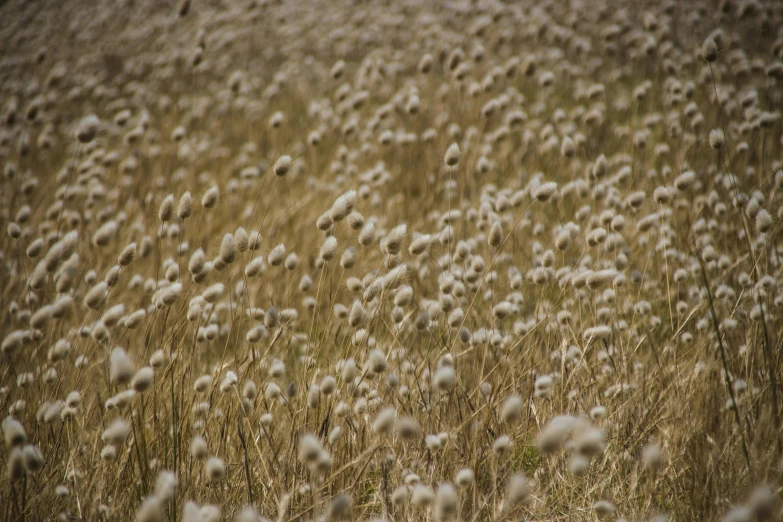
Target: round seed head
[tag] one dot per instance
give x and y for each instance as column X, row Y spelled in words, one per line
column 87, row 129
column 166, row 210
column 709, row 50
column 451, row 158
column 210, row 197
column 282, row 165
column 185, row 206
column 215, row 469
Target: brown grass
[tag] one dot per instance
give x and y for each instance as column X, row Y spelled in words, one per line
column 661, row 306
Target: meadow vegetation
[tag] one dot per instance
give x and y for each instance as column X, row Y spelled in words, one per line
column 391, row 260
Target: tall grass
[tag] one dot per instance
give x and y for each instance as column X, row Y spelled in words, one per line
column 405, row 261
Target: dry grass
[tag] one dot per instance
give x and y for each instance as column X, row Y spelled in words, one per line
column 463, row 261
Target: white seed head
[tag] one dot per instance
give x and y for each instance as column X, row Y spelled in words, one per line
column 166, row 210
column 185, row 206
column 215, row 469
column 282, row 166
column 87, row 129
column 210, row 197
column 451, row 158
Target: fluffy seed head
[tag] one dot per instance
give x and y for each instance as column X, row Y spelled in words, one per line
column 392, row 243
column 117, row 432
column 210, row 197
column 143, row 379
column 166, row 210
column 603, row 509
column 545, row 191
column 464, row 478
column 495, row 237
column 282, row 166
column 717, row 140
column 329, row 248
column 198, row 448
column 451, row 158
column 228, row 249
column 215, row 469
column 185, row 206
column 422, row 496
column 13, row 432
column 309, row 448
column 709, row 50
column 127, row 255
column 444, row 379
column 343, row 206
column 121, row 368
column 445, row 502
column 511, row 411
column 276, row 255
column 87, row 129
column 518, row 490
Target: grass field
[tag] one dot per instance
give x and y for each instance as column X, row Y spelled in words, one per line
column 373, row 260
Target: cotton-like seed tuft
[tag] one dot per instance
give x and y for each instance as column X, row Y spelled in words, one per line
column 150, row 510
column 338, row 507
column 328, row 385
column 87, row 129
column 15, row 465
column 651, row 457
column 543, row 386
column 420, row 244
column 545, row 191
column 421, row 496
column 13, row 432
column 121, row 368
column 444, row 379
column 464, row 478
column 717, row 139
column 603, row 509
column 185, row 206
column 495, row 237
column 384, row 421
column 392, row 243
column 96, row 296
column 451, row 158
column 445, row 502
column 210, row 197
column 282, row 166
column 376, row 362
column 518, row 491
column 684, row 180
column 579, row 465
column 166, row 210
column 117, row 432
column 367, row 234
column 709, row 50
column 763, row 221
column 215, row 469
column 738, row 514
column 198, row 448
column 276, row 255
column 343, row 206
column 33, row 459
column 309, row 448
column 143, row 379
column 165, row 486
column 14, row 231
column 511, row 411
column 127, row 255
column 329, row 248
